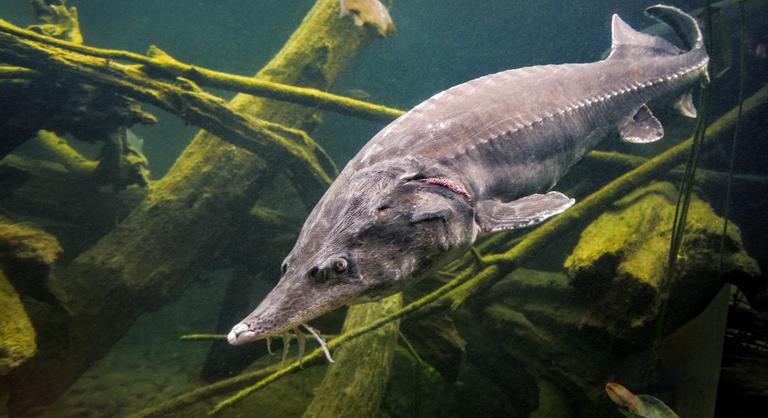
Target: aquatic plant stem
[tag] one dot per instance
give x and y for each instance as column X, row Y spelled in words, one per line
column 734, row 141
column 203, row 337
column 14, row 72
column 160, row 63
column 205, row 392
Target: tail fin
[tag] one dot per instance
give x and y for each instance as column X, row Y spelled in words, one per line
column 683, row 24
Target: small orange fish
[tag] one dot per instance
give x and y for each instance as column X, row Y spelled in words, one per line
column 645, row 406
column 623, row 397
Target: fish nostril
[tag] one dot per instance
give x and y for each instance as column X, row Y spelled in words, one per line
column 313, row 272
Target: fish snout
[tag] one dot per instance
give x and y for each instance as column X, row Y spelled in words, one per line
column 240, row 334
column 247, row 331
column 284, row 308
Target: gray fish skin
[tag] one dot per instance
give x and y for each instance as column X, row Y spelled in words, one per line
column 473, row 159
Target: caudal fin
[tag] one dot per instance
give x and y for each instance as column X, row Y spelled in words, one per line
column 627, row 42
column 683, row 24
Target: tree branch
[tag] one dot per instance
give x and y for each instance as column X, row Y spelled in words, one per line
column 159, row 62
column 269, row 140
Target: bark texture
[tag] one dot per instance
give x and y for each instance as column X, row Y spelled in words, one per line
column 355, row 385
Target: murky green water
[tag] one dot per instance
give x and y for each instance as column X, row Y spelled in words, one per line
column 115, row 243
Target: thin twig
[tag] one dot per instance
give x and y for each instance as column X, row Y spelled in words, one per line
column 203, row 337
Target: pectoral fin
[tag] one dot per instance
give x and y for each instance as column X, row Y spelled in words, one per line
column 493, row 215
column 642, row 128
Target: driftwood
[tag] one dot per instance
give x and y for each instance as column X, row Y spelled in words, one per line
column 187, row 218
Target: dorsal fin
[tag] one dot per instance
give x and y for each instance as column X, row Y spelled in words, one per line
column 627, row 42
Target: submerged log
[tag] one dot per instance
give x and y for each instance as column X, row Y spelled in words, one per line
column 355, row 384
column 26, row 256
column 620, row 262
column 186, row 220
column 17, row 336
column 118, row 86
column 606, row 320
column 64, row 197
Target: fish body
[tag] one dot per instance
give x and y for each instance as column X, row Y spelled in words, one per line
column 476, row 158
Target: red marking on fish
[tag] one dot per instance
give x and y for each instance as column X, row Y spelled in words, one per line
column 450, row 185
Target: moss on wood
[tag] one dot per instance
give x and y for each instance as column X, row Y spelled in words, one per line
column 355, row 384
column 17, row 336
column 620, row 262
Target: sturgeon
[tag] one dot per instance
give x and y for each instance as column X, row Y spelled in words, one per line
column 477, row 158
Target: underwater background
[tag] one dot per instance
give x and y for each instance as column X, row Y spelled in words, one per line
column 588, row 308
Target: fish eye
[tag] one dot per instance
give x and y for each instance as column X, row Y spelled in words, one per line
column 340, row 265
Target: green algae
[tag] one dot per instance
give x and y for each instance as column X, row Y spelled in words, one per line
column 620, row 258
column 17, row 336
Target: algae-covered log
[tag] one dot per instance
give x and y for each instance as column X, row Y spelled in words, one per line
column 63, row 194
column 186, row 220
column 355, row 384
column 26, row 256
column 619, row 262
column 17, row 336
column 619, row 267
column 608, row 317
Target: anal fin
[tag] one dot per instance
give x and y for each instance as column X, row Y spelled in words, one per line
column 493, row 215
column 642, row 128
column 685, row 106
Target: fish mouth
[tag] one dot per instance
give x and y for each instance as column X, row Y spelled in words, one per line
column 241, row 334
column 262, row 324
column 254, row 328
column 289, row 305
